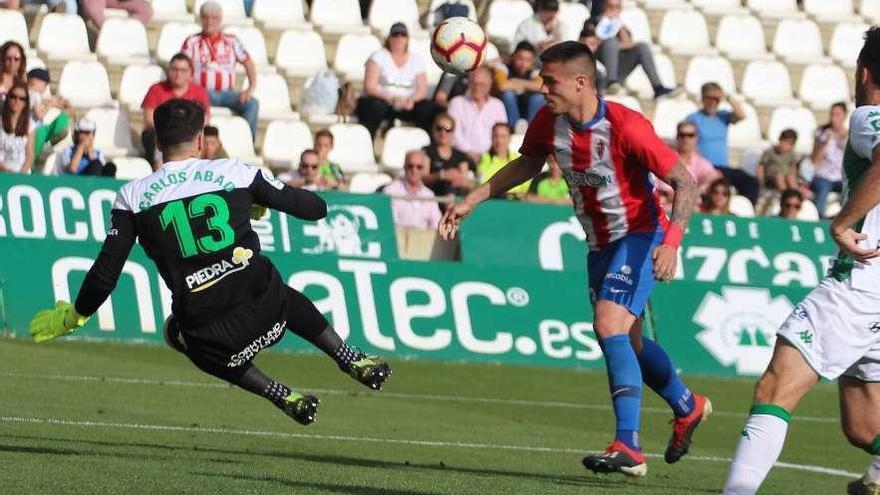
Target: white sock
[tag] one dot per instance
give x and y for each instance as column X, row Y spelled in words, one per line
column 872, row 475
column 759, row 447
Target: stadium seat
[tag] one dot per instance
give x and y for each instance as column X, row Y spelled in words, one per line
column 741, row 206
column 357, row 154
column 233, row 11
column 253, row 41
column 668, row 113
column 13, row 27
column 64, row 37
column 709, row 68
column 870, row 9
column 720, row 7
column 767, row 83
column 274, row 96
column 637, row 22
column 400, row 140
column 113, row 133
column 51, row 165
column 132, row 167
column 366, row 183
column 798, row 41
column 774, row 9
column 236, row 137
column 170, row 10
column 574, row 15
column 747, row 132
column 300, row 53
column 748, row 161
column 741, row 37
column 284, row 141
column 384, row 13
column 85, row 84
column 435, row 4
column 421, row 45
column 638, row 82
column 337, row 16
column 280, row 14
column 503, row 19
column 829, row 10
column 123, row 41
column 136, row 80
column 171, row 38
column 352, row 53
column 846, row 42
column 34, row 62
column 800, row 119
column 628, row 101
column 665, row 4
column 822, row 85
column 684, row 32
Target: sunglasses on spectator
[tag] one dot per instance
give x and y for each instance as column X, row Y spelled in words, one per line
column 687, row 134
column 14, row 96
column 395, row 35
column 791, row 205
column 310, row 166
column 416, row 166
column 443, row 128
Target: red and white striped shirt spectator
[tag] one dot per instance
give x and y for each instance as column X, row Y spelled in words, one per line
column 214, row 58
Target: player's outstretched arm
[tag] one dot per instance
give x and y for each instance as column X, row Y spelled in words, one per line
column 683, row 204
column 272, row 193
column 863, row 200
column 511, row 175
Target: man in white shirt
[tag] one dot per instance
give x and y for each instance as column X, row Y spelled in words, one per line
column 543, row 29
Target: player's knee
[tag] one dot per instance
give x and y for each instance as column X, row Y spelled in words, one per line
column 858, row 433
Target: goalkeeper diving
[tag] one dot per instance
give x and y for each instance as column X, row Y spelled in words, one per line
column 192, row 218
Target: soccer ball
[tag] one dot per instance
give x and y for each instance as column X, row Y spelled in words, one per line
column 458, row 45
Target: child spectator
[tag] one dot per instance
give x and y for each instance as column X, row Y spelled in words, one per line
column 777, row 168
column 83, row 158
column 213, row 149
column 56, row 130
column 330, row 172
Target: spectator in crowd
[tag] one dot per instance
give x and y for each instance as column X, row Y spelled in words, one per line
column 213, row 149
column 214, row 55
column 94, row 10
column 827, row 156
column 777, row 169
column 443, row 11
column 544, row 28
column 620, row 54
column 330, row 172
column 82, row 158
column 686, row 146
column 55, row 6
column 395, row 85
column 56, row 130
column 712, row 126
column 790, row 204
column 448, row 87
column 518, row 84
column 550, row 187
column 449, row 170
column 178, row 83
column 497, row 157
column 306, row 175
column 475, row 113
column 16, row 132
column 13, row 62
column 418, row 212
column 589, row 37
column 717, row 200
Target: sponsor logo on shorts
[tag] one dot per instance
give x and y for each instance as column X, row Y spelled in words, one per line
column 874, row 327
column 257, row 345
column 619, row 276
column 210, row 275
column 806, row 337
column 799, row 312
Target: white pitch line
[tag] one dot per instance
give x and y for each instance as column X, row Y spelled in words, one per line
column 398, row 441
column 452, row 398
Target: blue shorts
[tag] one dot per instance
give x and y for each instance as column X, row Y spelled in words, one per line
column 623, row 272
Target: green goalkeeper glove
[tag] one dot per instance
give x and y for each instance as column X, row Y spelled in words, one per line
column 51, row 323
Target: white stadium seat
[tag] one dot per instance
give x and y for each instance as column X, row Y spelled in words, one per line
column 638, row 82
column 400, row 140
column 720, row 7
column 34, row 62
column 870, row 9
column 741, row 206
column 829, row 9
column 630, row 102
column 352, row 53
column 13, row 27
column 822, row 85
column 709, row 68
column 253, row 41
column 233, row 11
column 766, row 82
column 749, row 159
column 665, row 4
column 384, row 13
column 136, row 80
column 132, row 167
column 280, row 14
column 774, row 8
column 846, row 42
column 337, row 16
column 800, row 119
column 798, row 41
column 574, row 15
column 741, row 37
column 356, row 155
column 747, row 132
column 236, row 137
column 123, row 41
column 85, row 84
column 171, row 38
column 504, row 17
column 274, row 96
column 366, row 183
column 684, row 31
column 285, row 140
column 113, row 133
column 170, row 10
column 516, row 141
column 636, row 20
column 300, row 53
column 64, row 37
column 421, row 45
column 668, row 113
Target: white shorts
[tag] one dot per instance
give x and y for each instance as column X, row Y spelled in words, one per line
column 837, row 329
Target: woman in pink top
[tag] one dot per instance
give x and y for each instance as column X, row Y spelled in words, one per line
column 686, row 146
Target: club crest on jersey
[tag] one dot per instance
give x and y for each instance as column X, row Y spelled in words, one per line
column 599, row 147
column 210, row 275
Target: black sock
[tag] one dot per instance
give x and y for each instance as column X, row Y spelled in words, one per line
column 345, row 355
column 253, row 380
column 330, row 342
column 276, row 392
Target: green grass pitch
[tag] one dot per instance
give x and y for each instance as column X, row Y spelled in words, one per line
column 79, row 417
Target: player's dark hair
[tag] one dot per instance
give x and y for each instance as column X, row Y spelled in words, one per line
column 324, row 133
column 869, row 56
column 212, row 131
column 525, row 45
column 788, row 135
column 181, row 56
column 178, row 122
column 572, row 53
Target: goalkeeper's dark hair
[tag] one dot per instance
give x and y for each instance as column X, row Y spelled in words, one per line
column 178, row 122
column 573, row 54
column 869, row 57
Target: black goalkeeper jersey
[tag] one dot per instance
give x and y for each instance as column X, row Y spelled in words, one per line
column 192, row 218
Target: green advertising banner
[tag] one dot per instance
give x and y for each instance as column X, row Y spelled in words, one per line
column 719, row 249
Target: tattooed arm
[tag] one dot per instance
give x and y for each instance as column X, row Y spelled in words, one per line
column 683, row 204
